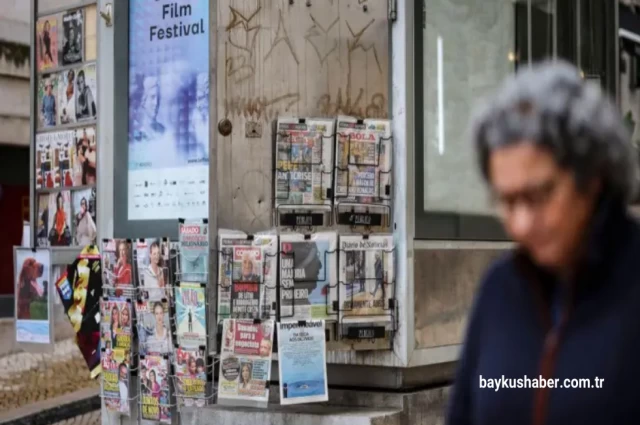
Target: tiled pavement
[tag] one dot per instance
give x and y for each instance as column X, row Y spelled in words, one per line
column 92, row 418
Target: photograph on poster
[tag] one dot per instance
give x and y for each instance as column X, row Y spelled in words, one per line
column 61, row 143
column 90, row 33
column 60, row 218
column 47, row 43
column 86, row 93
column 84, row 215
column 42, row 219
column 66, row 97
column 47, row 100
column 72, row 37
column 33, row 274
column 169, row 107
column 44, row 163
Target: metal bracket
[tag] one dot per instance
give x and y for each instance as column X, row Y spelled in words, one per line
column 107, row 14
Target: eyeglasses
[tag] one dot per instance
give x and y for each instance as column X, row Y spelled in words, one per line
column 534, row 197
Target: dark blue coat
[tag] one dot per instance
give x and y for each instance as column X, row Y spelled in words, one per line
column 522, row 325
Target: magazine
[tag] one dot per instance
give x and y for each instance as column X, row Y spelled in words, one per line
column 191, row 315
column 308, row 276
column 367, row 278
column 152, row 260
column 52, row 157
column 42, row 219
column 194, row 251
column 62, row 148
column 115, row 380
column 67, row 97
column 247, row 281
column 191, row 377
column 47, row 43
column 245, row 362
column 116, row 321
column 47, row 97
column 84, row 158
column 154, row 389
column 85, row 230
column 154, row 330
column 72, row 37
column 87, row 93
column 302, row 362
column 304, row 161
column 117, row 266
column 363, row 160
column 59, row 215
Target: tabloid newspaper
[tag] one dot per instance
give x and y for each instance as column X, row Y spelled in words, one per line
column 154, row 330
column 304, row 161
column 152, row 258
column 363, row 160
column 245, row 362
column 247, row 276
column 191, row 377
column 194, row 251
column 117, row 267
column 115, row 380
column 367, row 278
column 49, row 147
column 190, row 315
column 308, row 276
column 154, row 389
column 302, row 362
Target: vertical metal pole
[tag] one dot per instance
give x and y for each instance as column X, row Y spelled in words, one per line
column 33, row 101
column 529, row 42
column 616, row 43
column 555, row 29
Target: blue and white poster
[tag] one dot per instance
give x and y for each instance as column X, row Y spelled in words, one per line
column 191, row 325
column 168, row 109
column 33, row 307
column 302, row 362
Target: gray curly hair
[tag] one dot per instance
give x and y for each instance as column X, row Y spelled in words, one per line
column 551, row 106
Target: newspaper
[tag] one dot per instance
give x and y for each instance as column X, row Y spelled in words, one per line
column 304, row 163
column 247, row 276
column 302, row 362
column 190, row 315
column 154, row 330
column 191, row 377
column 308, row 276
column 117, row 267
column 367, row 277
column 245, row 362
column 154, row 389
column 363, row 160
column 152, row 258
column 194, row 251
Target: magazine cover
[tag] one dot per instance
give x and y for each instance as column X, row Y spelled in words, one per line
column 42, row 219
column 66, row 97
column 245, row 362
column 47, row 100
column 47, row 43
column 154, row 330
column 84, row 158
column 115, row 380
column 194, row 250
column 117, row 266
column 191, row 377
column 85, row 231
column 302, row 362
column 60, row 218
column 116, row 325
column 33, row 309
column 247, row 281
column 367, row 276
column 308, row 276
column 62, row 147
column 45, row 177
column 154, row 389
column 363, row 155
column 152, row 256
column 304, row 161
column 72, row 37
column 86, row 93
column 191, row 315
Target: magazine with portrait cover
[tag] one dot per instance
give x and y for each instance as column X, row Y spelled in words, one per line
column 247, row 275
column 117, row 267
column 66, row 97
column 84, row 157
column 194, row 250
column 304, row 161
column 85, row 230
column 363, row 160
column 245, row 362
column 59, row 215
column 308, row 276
column 115, row 380
column 49, row 150
column 302, row 362
column 47, row 43
column 42, row 219
column 86, row 93
column 62, row 145
column 190, row 314
column 154, row 329
column 367, row 278
column 155, row 404
column 152, row 262
column 191, row 376
column 116, row 325
column 47, row 101
column 72, row 37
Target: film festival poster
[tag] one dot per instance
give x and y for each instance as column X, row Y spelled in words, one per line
column 154, row 388
column 67, row 97
column 308, row 276
column 245, row 362
column 86, row 93
column 117, row 266
column 62, row 148
column 47, row 43
column 115, row 336
column 302, row 362
column 72, row 37
column 85, row 231
column 60, row 218
column 191, row 376
column 45, row 174
column 190, row 314
column 80, row 294
column 47, row 100
column 169, row 65
column 33, row 307
column 84, row 158
column 42, row 219
column 152, row 257
column 154, row 329
column 194, row 250
column 367, row 278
